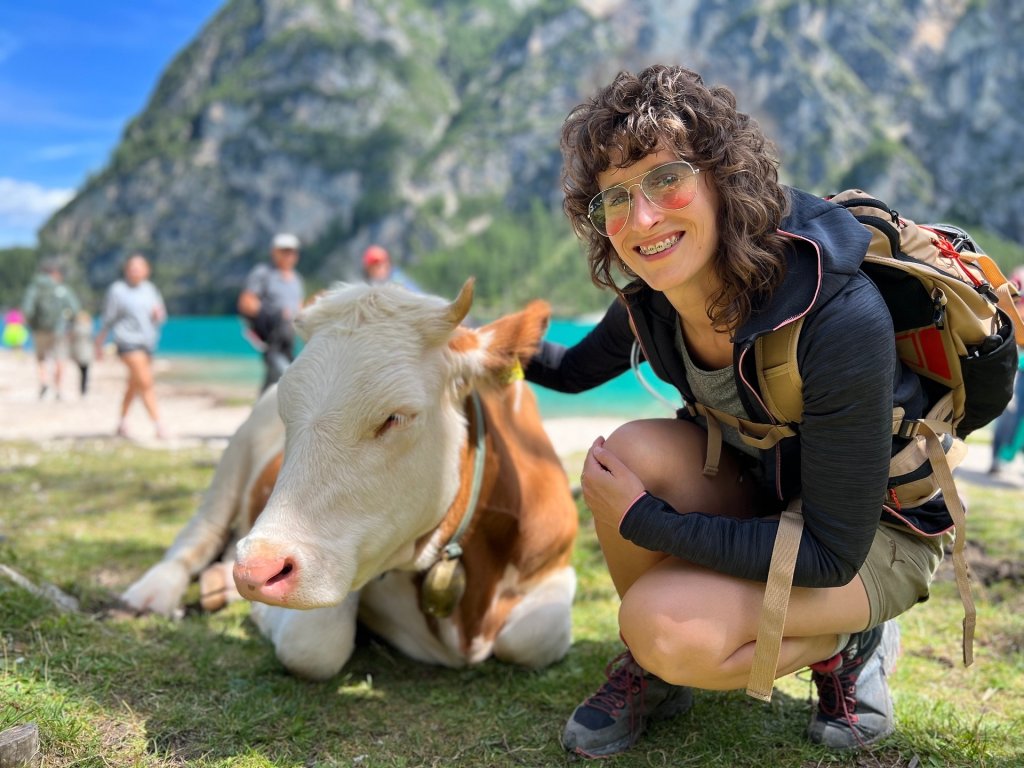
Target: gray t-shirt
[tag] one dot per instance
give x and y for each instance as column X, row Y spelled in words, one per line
column 716, row 389
column 274, row 291
column 128, row 314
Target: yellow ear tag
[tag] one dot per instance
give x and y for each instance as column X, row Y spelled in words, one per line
column 515, row 373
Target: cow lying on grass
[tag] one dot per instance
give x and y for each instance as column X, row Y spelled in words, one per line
column 400, row 432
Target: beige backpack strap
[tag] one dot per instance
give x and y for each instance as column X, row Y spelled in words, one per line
column 776, row 602
column 778, row 374
column 944, row 475
column 1005, row 291
column 1009, row 306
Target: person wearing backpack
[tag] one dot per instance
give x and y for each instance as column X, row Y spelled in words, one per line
column 270, row 300
column 48, row 306
column 675, row 194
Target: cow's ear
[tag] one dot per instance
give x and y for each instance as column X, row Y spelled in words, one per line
column 494, row 354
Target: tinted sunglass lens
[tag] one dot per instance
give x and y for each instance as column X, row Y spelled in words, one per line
column 671, row 186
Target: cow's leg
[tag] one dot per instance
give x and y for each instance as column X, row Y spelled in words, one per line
column 220, row 515
column 314, row 643
column 390, row 607
column 217, row 586
column 538, row 631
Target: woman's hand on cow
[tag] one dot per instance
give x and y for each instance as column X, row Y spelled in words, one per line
column 609, row 486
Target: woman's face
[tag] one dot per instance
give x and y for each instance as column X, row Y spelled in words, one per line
column 670, row 250
column 136, row 269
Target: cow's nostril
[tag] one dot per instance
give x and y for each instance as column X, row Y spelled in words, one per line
column 282, row 574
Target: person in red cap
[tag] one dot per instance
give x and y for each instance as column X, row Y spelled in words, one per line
column 378, row 269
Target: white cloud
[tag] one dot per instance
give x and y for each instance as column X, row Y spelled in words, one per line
column 65, row 151
column 25, row 205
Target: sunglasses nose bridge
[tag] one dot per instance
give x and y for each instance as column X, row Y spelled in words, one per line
column 629, row 197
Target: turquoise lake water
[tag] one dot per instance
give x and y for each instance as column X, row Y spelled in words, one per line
column 213, row 349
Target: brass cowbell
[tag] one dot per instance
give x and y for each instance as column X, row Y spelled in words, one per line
column 443, row 587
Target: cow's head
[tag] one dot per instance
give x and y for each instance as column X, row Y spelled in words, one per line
column 375, row 428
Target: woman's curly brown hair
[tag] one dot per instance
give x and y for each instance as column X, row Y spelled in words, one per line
column 670, row 108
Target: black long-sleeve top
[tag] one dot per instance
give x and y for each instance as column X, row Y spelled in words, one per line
column 838, row 462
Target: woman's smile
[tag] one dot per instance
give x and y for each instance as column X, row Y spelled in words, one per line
column 661, row 246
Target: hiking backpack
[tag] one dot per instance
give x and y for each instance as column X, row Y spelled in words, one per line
column 50, row 305
column 957, row 327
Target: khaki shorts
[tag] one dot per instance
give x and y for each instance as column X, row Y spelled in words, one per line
column 899, row 569
column 50, row 345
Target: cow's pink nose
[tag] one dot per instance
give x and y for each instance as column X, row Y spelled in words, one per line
column 266, row 579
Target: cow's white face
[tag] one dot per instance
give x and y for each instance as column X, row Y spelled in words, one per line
column 374, row 435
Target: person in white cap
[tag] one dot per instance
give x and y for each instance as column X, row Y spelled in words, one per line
column 270, row 300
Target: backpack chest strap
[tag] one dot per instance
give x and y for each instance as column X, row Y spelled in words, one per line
column 752, row 433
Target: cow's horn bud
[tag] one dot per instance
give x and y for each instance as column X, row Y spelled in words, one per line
column 459, row 308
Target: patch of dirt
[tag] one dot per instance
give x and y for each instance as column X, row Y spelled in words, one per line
column 984, row 569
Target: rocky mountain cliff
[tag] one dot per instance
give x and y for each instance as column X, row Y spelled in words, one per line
column 412, row 123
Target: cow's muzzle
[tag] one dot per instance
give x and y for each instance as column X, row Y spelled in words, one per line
column 266, row 579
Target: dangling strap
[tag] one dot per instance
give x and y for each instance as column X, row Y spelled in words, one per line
column 944, row 476
column 713, row 455
column 776, row 602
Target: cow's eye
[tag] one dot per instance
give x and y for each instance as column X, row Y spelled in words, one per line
column 391, row 422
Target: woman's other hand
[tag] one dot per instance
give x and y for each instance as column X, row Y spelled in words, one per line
column 609, row 486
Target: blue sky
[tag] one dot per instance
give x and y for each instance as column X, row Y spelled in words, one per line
column 72, row 74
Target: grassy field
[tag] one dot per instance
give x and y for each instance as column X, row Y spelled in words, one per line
column 207, row 691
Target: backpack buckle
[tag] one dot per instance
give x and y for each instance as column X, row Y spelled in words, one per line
column 908, row 429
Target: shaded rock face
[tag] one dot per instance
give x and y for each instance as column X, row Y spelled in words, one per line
column 358, row 121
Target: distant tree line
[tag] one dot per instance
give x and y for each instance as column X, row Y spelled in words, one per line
column 518, row 257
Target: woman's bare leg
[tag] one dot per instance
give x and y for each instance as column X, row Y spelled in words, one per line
column 140, row 383
column 687, row 624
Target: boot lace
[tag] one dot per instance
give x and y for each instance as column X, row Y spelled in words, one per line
column 837, row 689
column 625, row 687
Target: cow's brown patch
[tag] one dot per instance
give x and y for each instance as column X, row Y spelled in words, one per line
column 263, row 487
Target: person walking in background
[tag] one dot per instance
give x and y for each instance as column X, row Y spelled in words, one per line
column 83, row 348
column 379, row 269
column 1007, row 438
column 673, row 189
column 270, row 300
column 49, row 305
column 133, row 312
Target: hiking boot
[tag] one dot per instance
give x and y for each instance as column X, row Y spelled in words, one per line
column 854, row 704
column 612, row 719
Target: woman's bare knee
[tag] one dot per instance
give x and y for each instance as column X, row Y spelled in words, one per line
column 679, row 652
column 659, row 450
column 668, row 455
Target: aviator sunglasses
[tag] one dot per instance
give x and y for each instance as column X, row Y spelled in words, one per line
column 670, row 186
